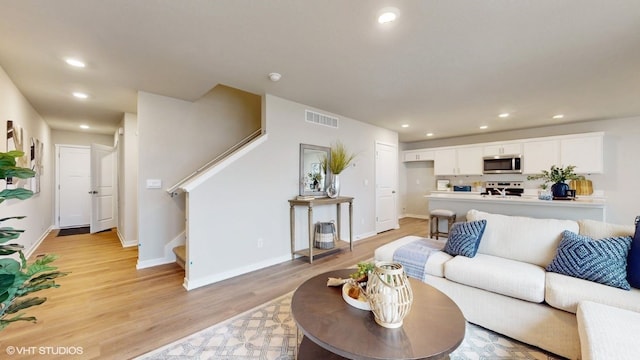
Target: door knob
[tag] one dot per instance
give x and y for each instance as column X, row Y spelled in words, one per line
column 93, row 192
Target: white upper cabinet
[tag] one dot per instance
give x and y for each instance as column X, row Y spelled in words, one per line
column 538, row 155
column 469, row 161
column 418, row 155
column 584, row 152
column 502, row 149
column 445, row 162
column 458, row 161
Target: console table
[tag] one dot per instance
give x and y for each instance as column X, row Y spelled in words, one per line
column 310, row 204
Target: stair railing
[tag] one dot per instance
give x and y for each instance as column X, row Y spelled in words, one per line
column 175, row 189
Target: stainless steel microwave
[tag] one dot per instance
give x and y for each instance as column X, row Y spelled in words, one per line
column 502, row 164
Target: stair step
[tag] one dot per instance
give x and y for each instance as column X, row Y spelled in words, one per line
column 181, row 254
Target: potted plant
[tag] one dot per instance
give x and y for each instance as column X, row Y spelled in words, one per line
column 558, row 177
column 18, row 279
column 338, row 160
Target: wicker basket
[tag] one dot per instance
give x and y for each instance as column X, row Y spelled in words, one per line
column 325, row 235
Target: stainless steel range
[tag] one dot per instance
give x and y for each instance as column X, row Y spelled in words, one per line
column 504, row 188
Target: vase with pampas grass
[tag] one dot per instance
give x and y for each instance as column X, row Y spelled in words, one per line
column 338, row 160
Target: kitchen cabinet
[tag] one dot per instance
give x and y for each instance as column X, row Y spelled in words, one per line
column 458, row 161
column 584, row 152
column 417, row 155
column 502, row 149
column 539, row 155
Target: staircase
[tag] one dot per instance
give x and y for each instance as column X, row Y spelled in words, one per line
column 181, row 255
column 207, row 170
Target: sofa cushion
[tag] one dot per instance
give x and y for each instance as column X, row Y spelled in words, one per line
column 633, row 260
column 503, row 276
column 599, row 229
column 603, row 261
column 565, row 292
column 607, row 332
column 464, row 238
column 521, row 238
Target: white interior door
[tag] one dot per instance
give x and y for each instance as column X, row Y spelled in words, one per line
column 102, row 188
column 386, row 183
column 73, row 184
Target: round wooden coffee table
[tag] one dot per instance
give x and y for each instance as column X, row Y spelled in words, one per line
column 334, row 329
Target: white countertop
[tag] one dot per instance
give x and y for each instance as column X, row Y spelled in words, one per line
column 461, row 196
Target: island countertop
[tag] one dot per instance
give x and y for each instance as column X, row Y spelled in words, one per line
column 581, row 208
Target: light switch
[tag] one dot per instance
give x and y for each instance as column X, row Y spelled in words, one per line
column 154, row 183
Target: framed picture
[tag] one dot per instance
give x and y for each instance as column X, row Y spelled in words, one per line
column 442, row 185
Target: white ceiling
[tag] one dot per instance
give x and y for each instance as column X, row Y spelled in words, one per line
column 445, row 67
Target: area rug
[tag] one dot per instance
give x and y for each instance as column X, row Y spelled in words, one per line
column 268, row 332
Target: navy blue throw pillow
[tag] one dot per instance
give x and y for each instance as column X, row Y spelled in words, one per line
column 633, row 260
column 464, row 238
column 603, row 261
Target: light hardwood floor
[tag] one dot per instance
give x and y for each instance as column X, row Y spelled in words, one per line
column 113, row 311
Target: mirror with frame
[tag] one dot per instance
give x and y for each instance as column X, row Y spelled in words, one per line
column 313, row 175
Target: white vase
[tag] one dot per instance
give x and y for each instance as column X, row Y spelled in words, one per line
column 333, row 190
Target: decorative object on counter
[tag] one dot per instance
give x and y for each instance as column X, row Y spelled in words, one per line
column 442, row 185
column 389, row 293
column 338, row 160
column 582, row 187
column 544, row 193
column 558, row 176
column 462, row 188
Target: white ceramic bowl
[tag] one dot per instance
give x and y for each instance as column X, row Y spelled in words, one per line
column 357, row 303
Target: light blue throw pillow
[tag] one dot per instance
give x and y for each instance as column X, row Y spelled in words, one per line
column 603, row 261
column 464, row 238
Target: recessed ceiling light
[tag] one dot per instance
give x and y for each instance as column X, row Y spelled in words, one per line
column 387, row 15
column 429, row 134
column 504, row 115
column 83, row 126
column 484, row 127
column 80, row 95
column 559, row 116
column 405, row 125
column 75, row 62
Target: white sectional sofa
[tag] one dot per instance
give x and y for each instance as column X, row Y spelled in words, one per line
column 505, row 287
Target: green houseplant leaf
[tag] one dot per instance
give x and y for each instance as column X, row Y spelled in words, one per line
column 19, row 278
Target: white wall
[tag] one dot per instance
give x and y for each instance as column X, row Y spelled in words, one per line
column 128, row 180
column 62, row 137
column 38, row 209
column 248, row 200
column 621, row 173
column 176, row 137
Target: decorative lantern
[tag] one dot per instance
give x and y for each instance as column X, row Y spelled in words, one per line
column 389, row 293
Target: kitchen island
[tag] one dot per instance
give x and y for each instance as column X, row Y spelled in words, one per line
column 580, row 208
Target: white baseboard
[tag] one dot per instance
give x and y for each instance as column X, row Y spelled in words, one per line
column 124, row 242
column 33, row 248
column 210, row 279
column 153, row 262
column 417, row 216
column 169, row 256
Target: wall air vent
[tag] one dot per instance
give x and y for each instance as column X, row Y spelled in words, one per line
column 321, row 119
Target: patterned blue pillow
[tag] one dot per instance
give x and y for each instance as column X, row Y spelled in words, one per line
column 464, row 238
column 603, row 261
column 633, row 260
